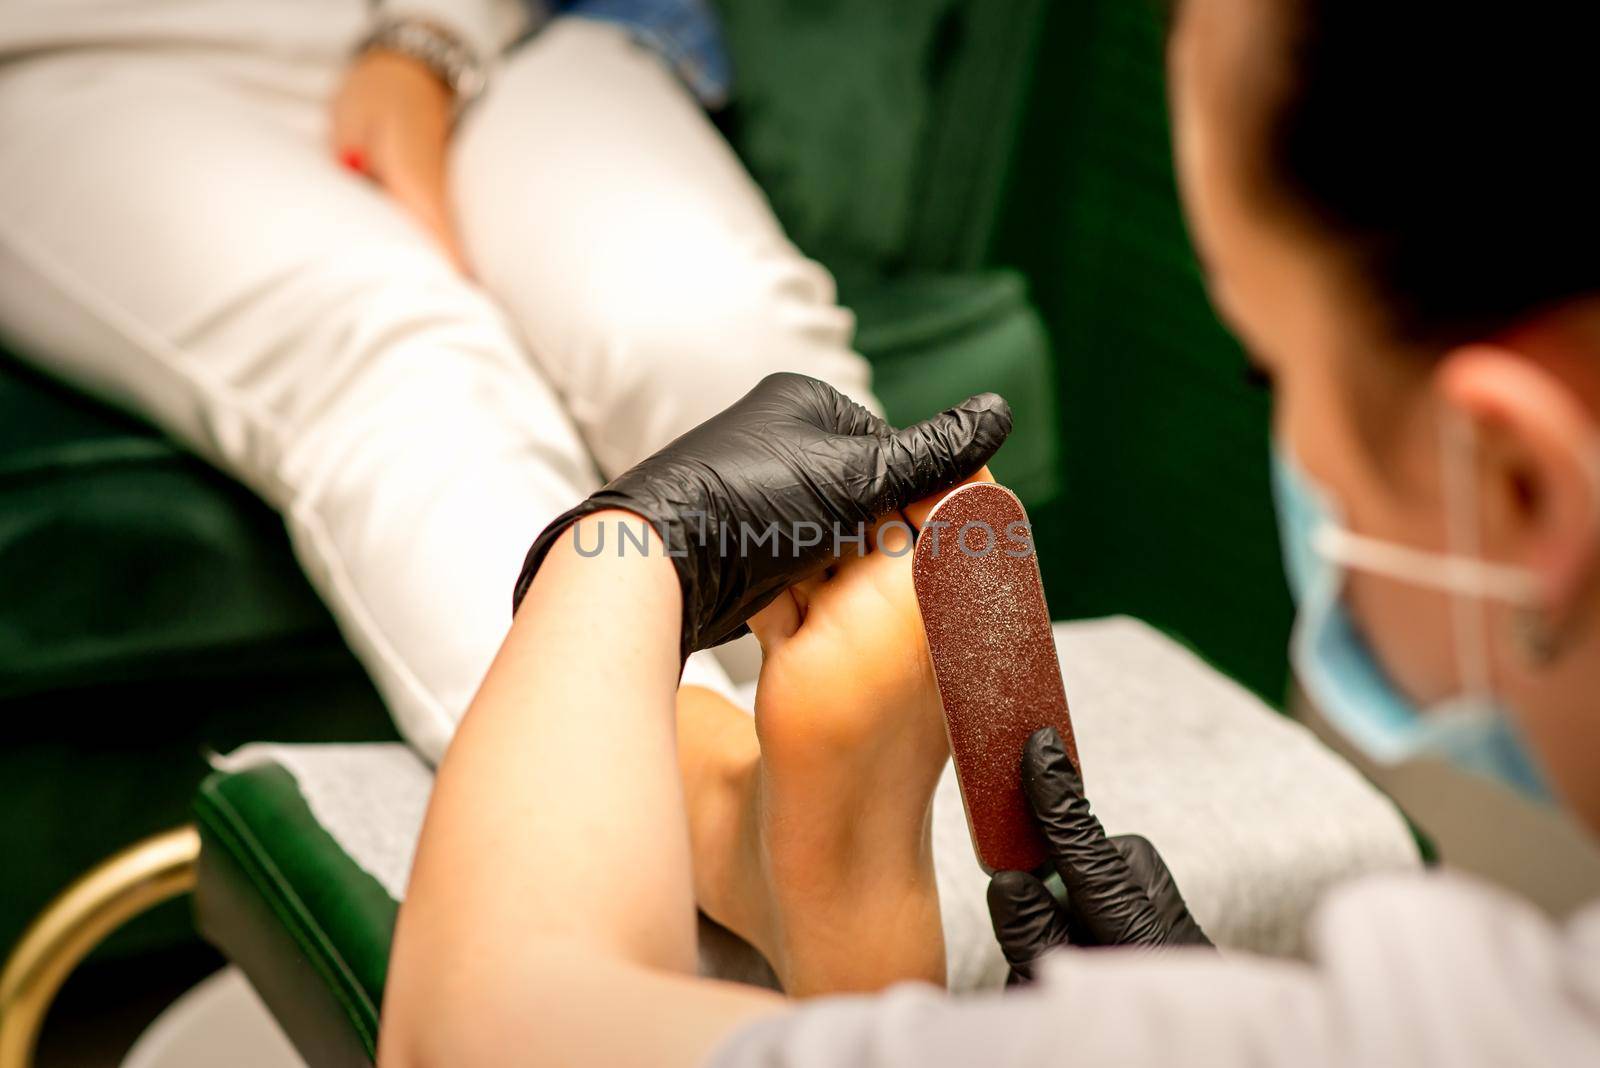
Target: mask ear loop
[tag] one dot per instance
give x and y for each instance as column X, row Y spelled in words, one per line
column 1423, row 567
column 1470, row 581
column 1458, row 444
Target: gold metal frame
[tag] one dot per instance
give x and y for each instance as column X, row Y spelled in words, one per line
column 103, row 899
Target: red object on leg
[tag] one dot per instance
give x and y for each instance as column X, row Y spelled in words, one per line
column 353, row 159
column 976, row 572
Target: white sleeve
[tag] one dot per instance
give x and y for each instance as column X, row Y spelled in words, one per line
column 1418, row 970
column 488, row 27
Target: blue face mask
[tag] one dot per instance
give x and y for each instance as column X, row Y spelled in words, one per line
column 1337, row 667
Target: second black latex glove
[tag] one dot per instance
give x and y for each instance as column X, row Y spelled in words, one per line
column 1119, row 891
column 794, row 457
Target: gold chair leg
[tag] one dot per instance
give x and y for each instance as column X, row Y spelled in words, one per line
column 107, row 896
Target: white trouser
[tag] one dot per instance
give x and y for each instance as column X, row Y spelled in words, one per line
column 175, row 237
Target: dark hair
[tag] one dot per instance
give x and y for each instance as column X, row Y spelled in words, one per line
column 1448, row 148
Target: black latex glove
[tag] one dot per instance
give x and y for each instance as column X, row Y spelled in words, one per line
column 1119, row 891
column 794, row 451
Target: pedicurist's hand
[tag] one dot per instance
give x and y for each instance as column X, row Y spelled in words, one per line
column 788, row 464
column 1119, row 891
column 392, row 120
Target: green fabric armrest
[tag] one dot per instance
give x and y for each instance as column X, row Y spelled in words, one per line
column 281, row 900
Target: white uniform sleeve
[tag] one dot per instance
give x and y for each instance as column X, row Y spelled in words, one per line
column 1414, row 970
column 488, row 27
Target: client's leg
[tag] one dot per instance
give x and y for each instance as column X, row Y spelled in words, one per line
column 641, row 262
column 810, row 825
column 175, row 238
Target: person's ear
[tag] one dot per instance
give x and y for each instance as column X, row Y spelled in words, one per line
column 1538, row 466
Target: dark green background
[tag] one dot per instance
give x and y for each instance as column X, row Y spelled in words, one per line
column 1166, row 512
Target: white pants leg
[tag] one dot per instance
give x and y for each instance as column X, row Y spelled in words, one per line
column 173, row 237
column 645, row 269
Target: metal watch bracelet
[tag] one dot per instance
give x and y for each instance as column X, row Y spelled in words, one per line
column 436, row 48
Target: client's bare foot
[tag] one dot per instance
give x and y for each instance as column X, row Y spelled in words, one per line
column 811, row 827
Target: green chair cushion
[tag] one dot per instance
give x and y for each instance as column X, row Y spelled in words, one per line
column 121, row 555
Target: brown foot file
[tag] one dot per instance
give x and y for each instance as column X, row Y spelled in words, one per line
column 977, row 579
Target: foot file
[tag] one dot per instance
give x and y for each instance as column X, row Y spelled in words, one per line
column 977, row 580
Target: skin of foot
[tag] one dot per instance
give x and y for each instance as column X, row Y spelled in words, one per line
column 811, row 824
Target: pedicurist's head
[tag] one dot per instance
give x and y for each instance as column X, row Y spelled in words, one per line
column 1397, row 214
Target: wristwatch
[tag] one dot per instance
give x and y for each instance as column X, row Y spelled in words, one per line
column 436, row 48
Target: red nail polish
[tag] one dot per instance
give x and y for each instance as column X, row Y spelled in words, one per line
column 354, row 160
